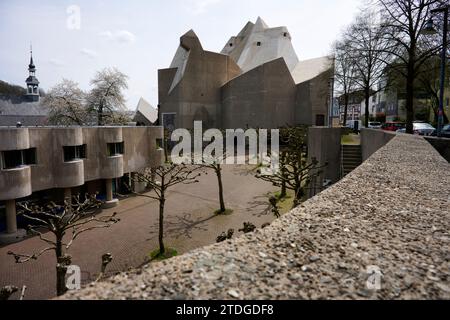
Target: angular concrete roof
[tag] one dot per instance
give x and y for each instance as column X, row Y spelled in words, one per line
column 146, row 109
column 309, row 69
column 257, row 44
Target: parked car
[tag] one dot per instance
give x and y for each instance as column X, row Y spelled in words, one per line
column 445, row 132
column 393, row 126
column 421, row 128
column 375, row 125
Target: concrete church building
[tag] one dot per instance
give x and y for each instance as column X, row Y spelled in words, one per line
column 257, row 81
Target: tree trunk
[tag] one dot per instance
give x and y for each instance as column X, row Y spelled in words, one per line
column 345, row 109
column 61, row 269
column 367, row 102
column 410, row 100
column 100, row 115
column 219, row 179
column 283, row 175
column 162, row 201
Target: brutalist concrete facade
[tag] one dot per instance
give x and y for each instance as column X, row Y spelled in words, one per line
column 55, row 164
column 256, row 81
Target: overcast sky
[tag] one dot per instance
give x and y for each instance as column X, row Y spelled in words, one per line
column 141, row 36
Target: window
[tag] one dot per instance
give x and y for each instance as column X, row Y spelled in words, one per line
column 159, row 144
column 72, row 153
column 115, row 149
column 258, row 44
column 231, row 44
column 320, row 120
column 18, row 158
column 285, row 34
column 30, row 156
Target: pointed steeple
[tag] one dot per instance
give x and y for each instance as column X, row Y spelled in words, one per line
column 31, row 65
column 32, row 82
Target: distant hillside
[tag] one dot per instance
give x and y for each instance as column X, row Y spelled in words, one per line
column 11, row 90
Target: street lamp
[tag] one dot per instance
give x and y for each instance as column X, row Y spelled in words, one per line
column 331, row 109
column 430, row 30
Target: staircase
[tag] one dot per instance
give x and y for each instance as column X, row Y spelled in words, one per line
column 351, row 158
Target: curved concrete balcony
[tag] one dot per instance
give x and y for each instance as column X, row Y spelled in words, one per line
column 70, row 174
column 14, row 139
column 15, row 183
column 112, row 167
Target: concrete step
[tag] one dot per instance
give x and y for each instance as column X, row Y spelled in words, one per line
column 353, row 156
column 352, row 147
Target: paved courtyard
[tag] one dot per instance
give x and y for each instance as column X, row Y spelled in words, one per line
column 190, row 223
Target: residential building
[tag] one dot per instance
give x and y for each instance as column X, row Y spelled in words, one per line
column 49, row 163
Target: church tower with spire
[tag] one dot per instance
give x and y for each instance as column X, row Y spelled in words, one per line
column 32, row 82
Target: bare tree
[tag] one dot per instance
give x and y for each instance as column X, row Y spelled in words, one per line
column 296, row 173
column 106, row 97
column 73, row 218
column 402, row 23
column 215, row 163
column 66, row 104
column 161, row 179
column 367, row 48
column 344, row 73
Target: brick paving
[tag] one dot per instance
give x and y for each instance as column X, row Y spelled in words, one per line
column 190, row 223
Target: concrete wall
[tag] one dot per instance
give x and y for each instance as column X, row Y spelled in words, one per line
column 261, row 98
column 51, row 171
column 372, row 140
column 313, row 99
column 442, row 145
column 324, row 144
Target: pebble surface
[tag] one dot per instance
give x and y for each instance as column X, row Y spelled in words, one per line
column 392, row 213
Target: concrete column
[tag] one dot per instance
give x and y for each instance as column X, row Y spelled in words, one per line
column 11, row 217
column 109, row 191
column 110, row 201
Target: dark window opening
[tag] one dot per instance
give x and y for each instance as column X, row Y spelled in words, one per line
column 18, row 158
column 30, row 156
column 72, row 153
column 159, row 144
column 320, row 120
column 285, row 34
column 231, row 44
column 258, row 44
column 115, row 149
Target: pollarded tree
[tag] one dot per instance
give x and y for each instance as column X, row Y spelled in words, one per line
column 65, row 223
column 295, row 172
column 214, row 162
column 160, row 180
column 106, row 98
column 67, row 104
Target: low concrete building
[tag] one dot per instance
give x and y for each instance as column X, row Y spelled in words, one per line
column 256, row 81
column 65, row 161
